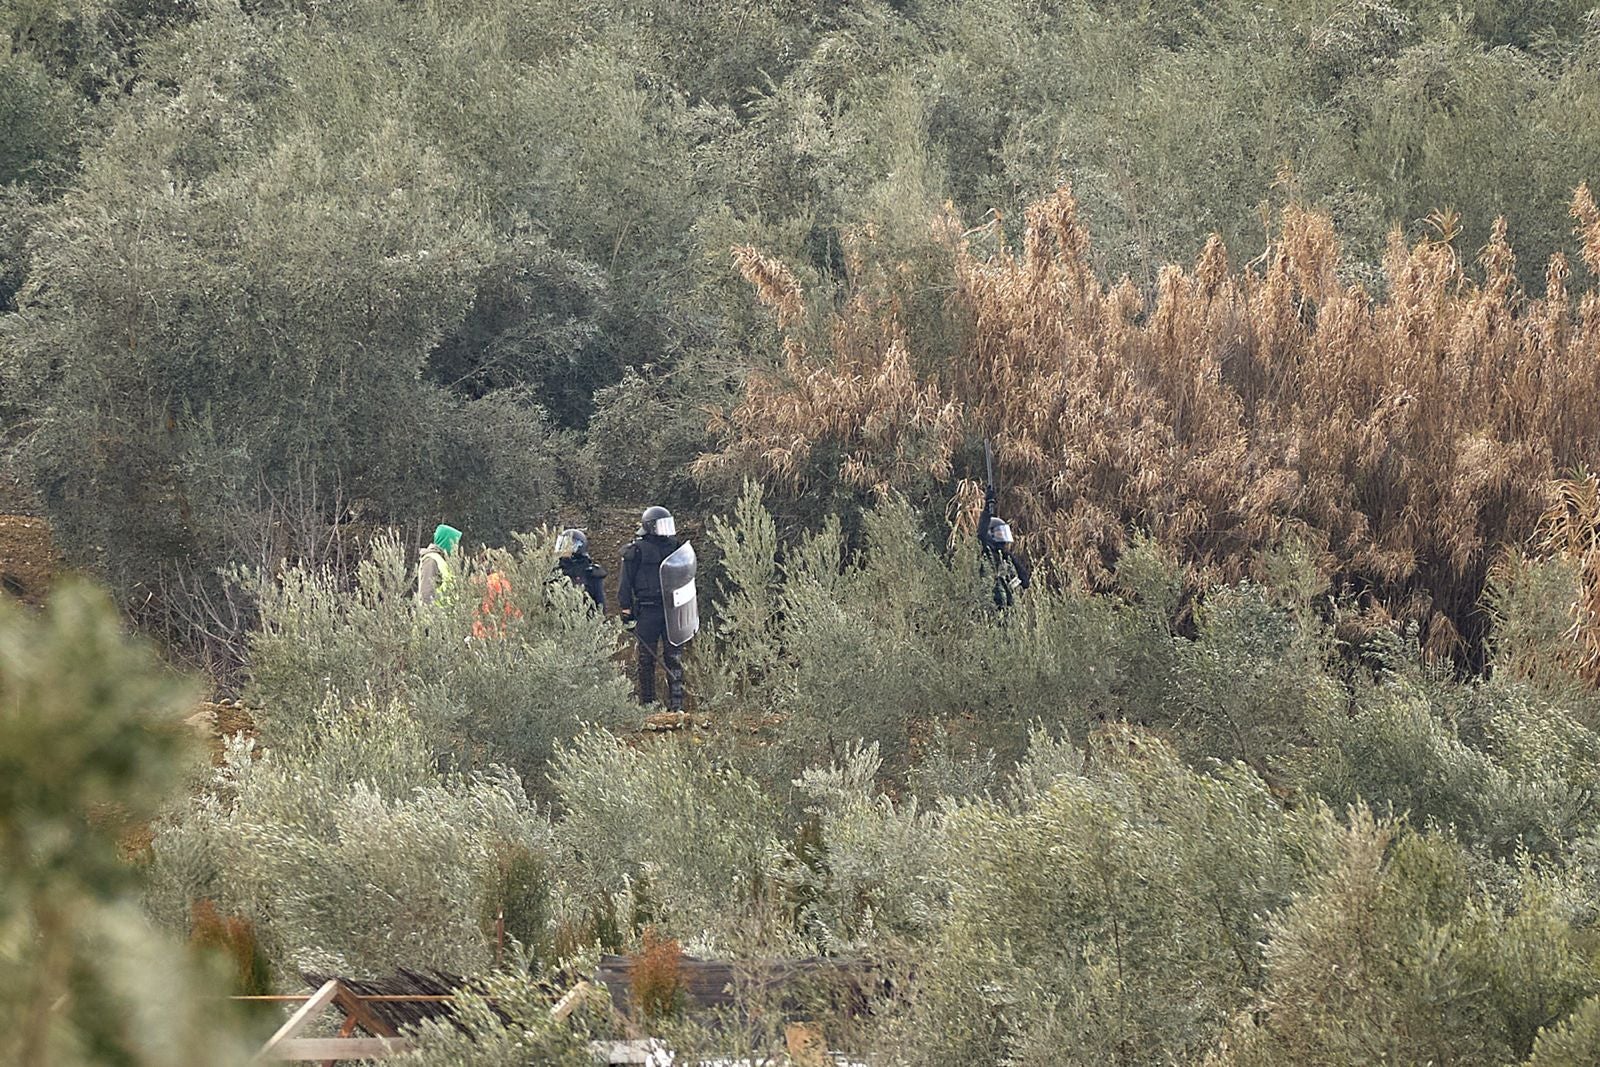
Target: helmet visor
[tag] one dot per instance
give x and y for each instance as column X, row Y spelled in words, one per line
column 1000, row 532
column 665, row 526
column 570, row 543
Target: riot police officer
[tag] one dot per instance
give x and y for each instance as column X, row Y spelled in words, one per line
column 575, row 564
column 644, row 604
column 999, row 555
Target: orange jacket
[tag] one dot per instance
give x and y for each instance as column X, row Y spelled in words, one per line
column 496, row 610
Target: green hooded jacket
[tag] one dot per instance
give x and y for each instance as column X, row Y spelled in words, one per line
column 433, row 570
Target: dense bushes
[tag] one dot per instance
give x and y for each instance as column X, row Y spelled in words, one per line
column 899, row 645
column 519, row 692
column 1077, row 833
column 276, row 274
column 387, row 821
column 351, row 854
column 1406, row 433
column 393, row 253
column 1107, row 915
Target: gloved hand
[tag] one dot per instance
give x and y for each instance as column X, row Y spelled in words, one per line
column 989, row 497
column 628, row 621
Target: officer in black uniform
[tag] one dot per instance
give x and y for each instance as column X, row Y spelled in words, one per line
column 999, row 555
column 643, row 606
column 574, row 563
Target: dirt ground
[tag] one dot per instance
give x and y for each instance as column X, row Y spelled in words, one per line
column 28, row 558
column 215, row 721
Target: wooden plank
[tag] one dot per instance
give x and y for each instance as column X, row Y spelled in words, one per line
column 311, row 1049
column 410, row 998
column 615, row 1053
column 569, row 1003
column 356, row 1008
column 302, row 1016
column 401, row 998
column 347, row 1030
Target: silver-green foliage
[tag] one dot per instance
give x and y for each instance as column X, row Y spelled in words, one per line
column 899, row 645
column 1199, row 876
column 509, row 696
column 690, row 839
column 1498, row 762
column 348, row 850
column 880, row 644
column 1109, row 914
column 875, row 880
column 478, row 1034
column 1394, row 953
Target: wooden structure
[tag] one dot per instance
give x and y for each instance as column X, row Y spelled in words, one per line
column 376, row 1012
column 287, row 1046
column 381, row 1008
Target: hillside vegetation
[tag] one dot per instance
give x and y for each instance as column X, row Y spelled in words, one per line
column 1407, row 435
column 1070, row 834
column 277, row 265
column 1282, row 319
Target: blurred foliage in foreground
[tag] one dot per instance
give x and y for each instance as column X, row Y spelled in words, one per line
column 92, row 747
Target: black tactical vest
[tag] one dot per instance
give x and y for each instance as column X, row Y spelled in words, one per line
column 648, row 552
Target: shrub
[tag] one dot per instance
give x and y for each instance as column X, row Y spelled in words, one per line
column 1217, row 412
column 1128, row 898
column 92, row 743
column 871, row 877
column 1575, row 1040
column 509, row 699
column 890, row 645
column 898, row 645
column 352, row 858
column 657, row 986
column 235, row 938
column 517, row 901
column 1396, row 751
column 504, row 1021
column 1530, row 603
column 1496, row 762
column 1391, row 956
column 692, row 839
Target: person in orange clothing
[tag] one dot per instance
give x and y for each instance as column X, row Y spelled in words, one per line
column 496, row 610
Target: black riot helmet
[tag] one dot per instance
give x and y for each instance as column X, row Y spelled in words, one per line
column 572, row 542
column 657, row 520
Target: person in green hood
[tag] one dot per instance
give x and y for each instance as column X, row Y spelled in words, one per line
column 433, row 569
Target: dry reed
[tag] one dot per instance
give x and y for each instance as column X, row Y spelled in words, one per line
column 1406, row 435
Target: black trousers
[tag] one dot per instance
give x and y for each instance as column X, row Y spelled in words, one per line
column 650, row 631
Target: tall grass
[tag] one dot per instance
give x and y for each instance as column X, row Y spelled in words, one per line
column 1406, row 430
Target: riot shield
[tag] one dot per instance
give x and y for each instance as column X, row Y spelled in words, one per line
column 677, row 595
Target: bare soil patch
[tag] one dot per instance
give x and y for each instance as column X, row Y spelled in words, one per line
column 29, row 562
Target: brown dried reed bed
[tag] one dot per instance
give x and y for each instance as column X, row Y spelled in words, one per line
column 1571, row 528
column 1406, row 435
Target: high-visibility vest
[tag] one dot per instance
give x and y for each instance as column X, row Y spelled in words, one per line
column 446, row 577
